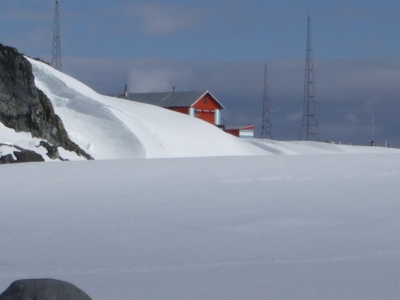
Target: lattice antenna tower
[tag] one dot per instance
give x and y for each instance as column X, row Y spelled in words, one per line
column 309, row 124
column 266, row 128
column 56, row 52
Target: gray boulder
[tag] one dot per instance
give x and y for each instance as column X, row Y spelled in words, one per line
column 43, row 289
column 28, row 156
column 7, row 159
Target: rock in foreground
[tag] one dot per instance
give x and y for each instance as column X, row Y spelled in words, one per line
column 43, row 289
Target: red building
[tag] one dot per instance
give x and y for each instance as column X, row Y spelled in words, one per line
column 241, row 131
column 200, row 105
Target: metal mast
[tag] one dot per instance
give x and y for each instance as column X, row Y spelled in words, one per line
column 56, row 53
column 309, row 124
column 266, row 129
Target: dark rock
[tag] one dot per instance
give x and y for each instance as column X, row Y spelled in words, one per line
column 24, row 107
column 28, row 156
column 7, row 159
column 43, row 289
column 22, row 155
column 52, row 151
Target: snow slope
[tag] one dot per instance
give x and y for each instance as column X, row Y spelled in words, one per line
column 297, row 227
column 108, row 127
column 112, row 128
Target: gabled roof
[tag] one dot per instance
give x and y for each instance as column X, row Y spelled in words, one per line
column 168, row 99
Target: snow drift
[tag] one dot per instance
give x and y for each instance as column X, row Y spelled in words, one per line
column 108, row 127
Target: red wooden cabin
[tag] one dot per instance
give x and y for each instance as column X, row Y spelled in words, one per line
column 200, row 105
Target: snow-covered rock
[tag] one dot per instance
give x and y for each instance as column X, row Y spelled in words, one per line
column 24, row 108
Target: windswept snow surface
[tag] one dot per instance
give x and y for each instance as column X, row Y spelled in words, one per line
column 313, row 148
column 108, row 127
column 297, row 227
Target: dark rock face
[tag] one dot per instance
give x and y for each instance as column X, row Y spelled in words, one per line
column 43, row 289
column 24, row 107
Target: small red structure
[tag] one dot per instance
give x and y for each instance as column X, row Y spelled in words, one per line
column 241, row 131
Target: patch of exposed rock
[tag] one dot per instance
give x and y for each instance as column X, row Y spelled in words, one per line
column 24, row 107
column 43, row 289
column 20, row 154
column 52, row 151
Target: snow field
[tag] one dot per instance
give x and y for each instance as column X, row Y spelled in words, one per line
column 271, row 227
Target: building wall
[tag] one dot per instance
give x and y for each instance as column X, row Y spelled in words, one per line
column 242, row 132
column 235, row 132
column 184, row 110
column 206, row 102
column 205, row 115
column 246, row 134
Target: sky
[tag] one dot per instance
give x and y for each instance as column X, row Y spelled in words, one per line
column 222, row 46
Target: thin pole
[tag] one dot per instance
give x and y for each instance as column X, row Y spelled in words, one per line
column 56, row 51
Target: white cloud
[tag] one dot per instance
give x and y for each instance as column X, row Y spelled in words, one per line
column 352, row 118
column 291, row 117
column 148, row 75
column 160, row 19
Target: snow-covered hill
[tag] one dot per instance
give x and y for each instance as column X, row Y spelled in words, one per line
column 108, row 127
column 112, row 128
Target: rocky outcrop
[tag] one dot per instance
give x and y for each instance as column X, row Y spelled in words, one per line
column 43, row 289
column 24, row 107
column 52, row 151
column 19, row 155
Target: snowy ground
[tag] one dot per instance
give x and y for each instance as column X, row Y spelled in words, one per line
column 301, row 227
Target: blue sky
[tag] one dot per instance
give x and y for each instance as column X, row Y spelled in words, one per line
column 222, row 46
